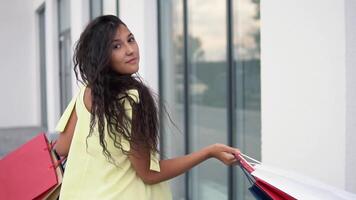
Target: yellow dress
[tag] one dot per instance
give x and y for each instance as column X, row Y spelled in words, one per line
column 89, row 175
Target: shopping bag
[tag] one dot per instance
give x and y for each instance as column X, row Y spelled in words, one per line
column 278, row 184
column 32, row 171
column 260, row 189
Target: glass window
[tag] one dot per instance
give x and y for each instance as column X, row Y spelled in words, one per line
column 65, row 61
column 207, row 71
column 197, row 55
column 103, row 7
column 96, row 8
column 207, row 90
column 172, row 85
column 64, row 15
column 246, row 20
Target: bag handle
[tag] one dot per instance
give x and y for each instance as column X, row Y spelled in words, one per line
column 58, row 163
column 52, row 143
column 61, row 160
column 244, row 163
column 254, row 160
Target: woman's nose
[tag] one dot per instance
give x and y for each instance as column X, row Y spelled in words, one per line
column 129, row 49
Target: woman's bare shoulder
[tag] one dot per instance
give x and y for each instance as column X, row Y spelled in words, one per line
column 87, row 98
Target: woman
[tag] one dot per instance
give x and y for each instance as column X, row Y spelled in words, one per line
column 109, row 131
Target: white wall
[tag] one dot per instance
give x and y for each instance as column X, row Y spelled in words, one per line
column 109, row 7
column 303, row 87
column 79, row 11
column 350, row 6
column 52, row 63
column 19, row 83
column 19, row 38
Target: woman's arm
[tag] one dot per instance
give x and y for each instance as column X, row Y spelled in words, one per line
column 171, row 168
column 65, row 138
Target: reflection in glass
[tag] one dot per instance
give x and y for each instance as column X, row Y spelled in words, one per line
column 172, row 85
column 248, row 98
column 207, row 90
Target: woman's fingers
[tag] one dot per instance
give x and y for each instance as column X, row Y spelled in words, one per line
column 231, row 150
column 225, row 154
column 228, row 158
column 234, row 150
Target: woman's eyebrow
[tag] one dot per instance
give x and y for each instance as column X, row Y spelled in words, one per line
column 119, row 40
column 130, row 35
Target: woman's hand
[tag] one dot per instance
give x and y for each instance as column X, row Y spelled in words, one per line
column 224, row 153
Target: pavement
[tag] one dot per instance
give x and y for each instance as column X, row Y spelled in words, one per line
column 12, row 138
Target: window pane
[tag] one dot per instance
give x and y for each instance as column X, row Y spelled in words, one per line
column 64, row 14
column 65, row 61
column 172, row 84
column 207, row 88
column 95, row 8
column 248, row 101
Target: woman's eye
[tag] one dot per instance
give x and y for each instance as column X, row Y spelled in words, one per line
column 117, row 46
column 132, row 39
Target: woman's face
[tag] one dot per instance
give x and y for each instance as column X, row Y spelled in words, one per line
column 125, row 55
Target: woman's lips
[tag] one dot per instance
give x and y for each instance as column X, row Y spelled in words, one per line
column 132, row 61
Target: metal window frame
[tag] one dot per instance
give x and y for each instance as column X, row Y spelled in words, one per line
column 118, row 8
column 43, row 86
column 188, row 192
column 160, row 75
column 231, row 97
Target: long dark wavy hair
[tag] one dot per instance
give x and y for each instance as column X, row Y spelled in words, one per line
column 108, row 90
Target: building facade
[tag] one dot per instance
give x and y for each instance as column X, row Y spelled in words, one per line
column 275, row 79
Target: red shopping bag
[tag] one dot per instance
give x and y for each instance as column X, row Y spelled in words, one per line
column 260, row 188
column 273, row 192
column 31, row 172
